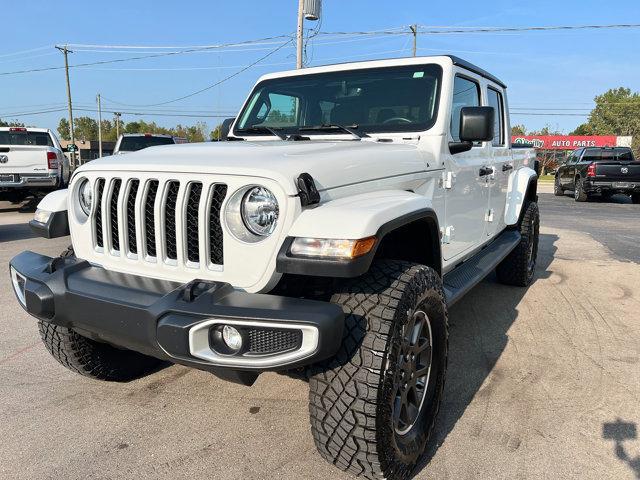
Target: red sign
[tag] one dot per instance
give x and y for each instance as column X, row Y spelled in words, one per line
column 564, row 142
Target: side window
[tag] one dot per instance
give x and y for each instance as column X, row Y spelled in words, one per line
column 495, row 101
column 466, row 93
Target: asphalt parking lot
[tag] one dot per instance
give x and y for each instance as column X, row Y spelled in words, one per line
column 543, row 382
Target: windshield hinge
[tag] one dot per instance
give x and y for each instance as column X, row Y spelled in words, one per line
column 307, row 190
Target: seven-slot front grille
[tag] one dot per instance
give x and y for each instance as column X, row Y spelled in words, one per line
column 131, row 213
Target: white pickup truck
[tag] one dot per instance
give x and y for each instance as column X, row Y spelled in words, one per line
column 31, row 160
column 351, row 206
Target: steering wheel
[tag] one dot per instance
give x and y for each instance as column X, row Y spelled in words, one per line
column 397, row 119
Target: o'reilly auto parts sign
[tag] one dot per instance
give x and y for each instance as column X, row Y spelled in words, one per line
column 565, row 142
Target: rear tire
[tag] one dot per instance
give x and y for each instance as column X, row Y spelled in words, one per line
column 579, row 194
column 518, row 267
column 558, row 191
column 91, row 358
column 373, row 405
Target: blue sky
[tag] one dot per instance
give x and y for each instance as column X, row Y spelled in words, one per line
column 549, row 70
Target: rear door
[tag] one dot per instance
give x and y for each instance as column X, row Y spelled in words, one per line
column 467, row 195
column 501, row 164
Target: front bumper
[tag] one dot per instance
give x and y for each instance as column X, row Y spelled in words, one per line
column 29, row 181
column 171, row 321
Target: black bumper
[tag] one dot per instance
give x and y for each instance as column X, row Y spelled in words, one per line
column 154, row 317
column 56, row 226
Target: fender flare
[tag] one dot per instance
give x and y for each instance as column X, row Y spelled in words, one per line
column 523, row 186
column 360, row 216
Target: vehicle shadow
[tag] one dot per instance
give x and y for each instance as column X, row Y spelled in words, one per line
column 620, row 431
column 28, row 205
column 478, row 326
column 15, row 231
column 618, row 198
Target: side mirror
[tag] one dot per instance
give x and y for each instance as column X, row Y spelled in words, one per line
column 476, row 125
column 225, row 128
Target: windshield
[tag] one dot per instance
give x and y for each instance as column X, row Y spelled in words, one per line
column 389, row 99
column 133, row 144
column 25, row 138
column 609, row 154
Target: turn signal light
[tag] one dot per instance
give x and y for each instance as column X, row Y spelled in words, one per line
column 332, row 248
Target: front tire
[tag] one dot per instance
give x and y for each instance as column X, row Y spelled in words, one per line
column 519, row 266
column 373, row 405
column 91, row 358
column 558, row 191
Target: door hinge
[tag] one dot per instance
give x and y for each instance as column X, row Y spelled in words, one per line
column 488, row 217
column 447, row 234
column 447, row 180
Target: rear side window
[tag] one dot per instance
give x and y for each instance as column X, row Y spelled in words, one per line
column 133, row 144
column 466, row 93
column 25, row 138
column 495, row 101
column 607, row 154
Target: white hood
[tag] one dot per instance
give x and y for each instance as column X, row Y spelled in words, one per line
column 330, row 163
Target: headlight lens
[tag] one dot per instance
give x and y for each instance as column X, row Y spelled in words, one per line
column 260, row 211
column 85, row 196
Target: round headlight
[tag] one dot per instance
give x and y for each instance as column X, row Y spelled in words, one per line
column 85, row 196
column 260, row 211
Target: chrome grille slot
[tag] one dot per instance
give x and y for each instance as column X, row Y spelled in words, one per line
column 131, row 216
column 97, row 219
column 170, row 220
column 216, row 250
column 191, row 221
column 113, row 214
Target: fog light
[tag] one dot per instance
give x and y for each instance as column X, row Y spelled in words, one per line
column 232, row 338
column 18, row 285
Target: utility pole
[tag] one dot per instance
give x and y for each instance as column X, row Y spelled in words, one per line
column 300, row 34
column 414, row 30
column 66, row 51
column 117, row 115
column 99, row 127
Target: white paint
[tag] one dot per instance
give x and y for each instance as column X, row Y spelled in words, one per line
column 55, row 201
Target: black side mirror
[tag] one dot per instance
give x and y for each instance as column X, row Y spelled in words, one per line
column 476, row 125
column 226, row 127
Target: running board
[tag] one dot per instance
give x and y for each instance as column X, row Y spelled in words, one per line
column 467, row 275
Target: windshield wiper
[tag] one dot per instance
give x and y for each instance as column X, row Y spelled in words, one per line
column 263, row 129
column 334, row 126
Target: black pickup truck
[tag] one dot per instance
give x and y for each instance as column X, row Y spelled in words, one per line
column 605, row 171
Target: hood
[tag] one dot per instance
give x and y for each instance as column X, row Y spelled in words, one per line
column 330, row 163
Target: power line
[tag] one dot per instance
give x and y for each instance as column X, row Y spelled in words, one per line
column 209, row 87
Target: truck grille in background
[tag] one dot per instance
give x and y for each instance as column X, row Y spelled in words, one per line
column 131, row 205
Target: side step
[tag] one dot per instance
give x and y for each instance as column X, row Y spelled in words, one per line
column 467, row 275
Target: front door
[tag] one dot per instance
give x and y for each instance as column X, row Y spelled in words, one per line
column 501, row 164
column 465, row 182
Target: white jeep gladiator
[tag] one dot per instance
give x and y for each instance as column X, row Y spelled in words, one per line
column 31, row 160
column 350, row 207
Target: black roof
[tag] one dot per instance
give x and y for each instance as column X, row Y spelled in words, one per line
column 475, row 69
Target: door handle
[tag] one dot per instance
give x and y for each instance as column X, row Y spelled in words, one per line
column 484, row 171
column 506, row 167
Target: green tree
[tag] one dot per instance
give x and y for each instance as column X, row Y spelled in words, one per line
column 63, row 129
column 617, row 112
column 518, row 130
column 11, row 123
column 216, row 132
column 85, row 128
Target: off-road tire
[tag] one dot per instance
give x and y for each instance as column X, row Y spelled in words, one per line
column 351, row 395
column 579, row 194
column 516, row 269
column 91, row 358
column 558, row 191
column 635, row 198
